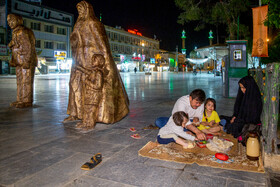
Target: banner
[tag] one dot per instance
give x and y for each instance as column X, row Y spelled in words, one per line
column 260, row 47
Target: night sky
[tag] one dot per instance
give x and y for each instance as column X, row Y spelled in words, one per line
column 150, row 17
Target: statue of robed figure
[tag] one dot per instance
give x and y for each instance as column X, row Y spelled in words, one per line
column 96, row 90
column 24, row 58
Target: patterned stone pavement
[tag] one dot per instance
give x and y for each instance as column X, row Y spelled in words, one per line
column 37, row 149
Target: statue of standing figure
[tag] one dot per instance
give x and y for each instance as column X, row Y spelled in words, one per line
column 96, row 91
column 24, row 58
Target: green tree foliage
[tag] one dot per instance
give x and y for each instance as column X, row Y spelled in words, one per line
column 214, row 12
column 273, row 22
column 194, row 10
column 273, row 52
column 273, row 16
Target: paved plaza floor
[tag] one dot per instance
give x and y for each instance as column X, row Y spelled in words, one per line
column 37, row 149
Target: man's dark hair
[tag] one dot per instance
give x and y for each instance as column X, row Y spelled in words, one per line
column 178, row 117
column 198, row 94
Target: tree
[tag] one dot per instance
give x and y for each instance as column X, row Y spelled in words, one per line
column 214, row 12
column 273, row 13
column 273, row 22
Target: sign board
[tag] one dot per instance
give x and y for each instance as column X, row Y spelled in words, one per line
column 3, row 49
column 42, row 13
column 60, row 54
column 237, row 55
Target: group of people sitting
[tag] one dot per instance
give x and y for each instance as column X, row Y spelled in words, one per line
column 194, row 116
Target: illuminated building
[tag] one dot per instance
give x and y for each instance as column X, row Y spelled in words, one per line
column 215, row 54
column 52, row 30
column 4, row 58
column 131, row 49
column 209, row 57
column 166, row 61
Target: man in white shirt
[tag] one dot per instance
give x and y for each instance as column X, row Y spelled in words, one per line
column 192, row 105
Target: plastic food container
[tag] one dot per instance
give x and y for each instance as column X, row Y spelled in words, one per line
column 201, row 144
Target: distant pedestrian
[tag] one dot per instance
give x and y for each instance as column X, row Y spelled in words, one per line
column 135, row 69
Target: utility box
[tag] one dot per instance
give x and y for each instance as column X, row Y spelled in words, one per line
column 236, row 66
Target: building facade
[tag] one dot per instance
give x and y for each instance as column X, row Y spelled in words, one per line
column 130, row 49
column 214, row 53
column 52, row 29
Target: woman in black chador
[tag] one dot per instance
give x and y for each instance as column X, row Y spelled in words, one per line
column 247, row 107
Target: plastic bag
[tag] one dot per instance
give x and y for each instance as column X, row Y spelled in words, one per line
column 219, row 145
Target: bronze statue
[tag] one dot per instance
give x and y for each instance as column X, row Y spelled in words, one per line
column 96, row 91
column 24, row 58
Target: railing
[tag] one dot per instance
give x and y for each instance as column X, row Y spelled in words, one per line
column 268, row 81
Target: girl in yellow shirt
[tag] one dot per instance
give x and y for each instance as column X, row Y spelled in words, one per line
column 210, row 121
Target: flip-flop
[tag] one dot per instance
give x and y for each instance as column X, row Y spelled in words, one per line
column 135, row 136
column 94, row 161
column 132, row 129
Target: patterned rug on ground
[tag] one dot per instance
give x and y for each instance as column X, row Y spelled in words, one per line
column 203, row 156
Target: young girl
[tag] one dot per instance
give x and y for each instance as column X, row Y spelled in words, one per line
column 210, row 121
column 175, row 128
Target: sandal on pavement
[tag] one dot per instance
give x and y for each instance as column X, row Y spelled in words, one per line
column 135, row 136
column 94, row 161
column 132, row 129
column 87, row 166
column 96, row 158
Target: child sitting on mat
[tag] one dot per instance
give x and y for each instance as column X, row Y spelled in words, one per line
column 210, row 121
column 175, row 128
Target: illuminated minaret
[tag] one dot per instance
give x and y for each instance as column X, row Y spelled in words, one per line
column 183, row 42
column 210, row 37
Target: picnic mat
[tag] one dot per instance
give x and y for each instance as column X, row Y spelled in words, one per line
column 203, row 156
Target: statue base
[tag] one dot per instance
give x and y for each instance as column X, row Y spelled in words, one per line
column 21, row 104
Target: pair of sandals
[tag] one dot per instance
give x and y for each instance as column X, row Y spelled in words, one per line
column 94, row 161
